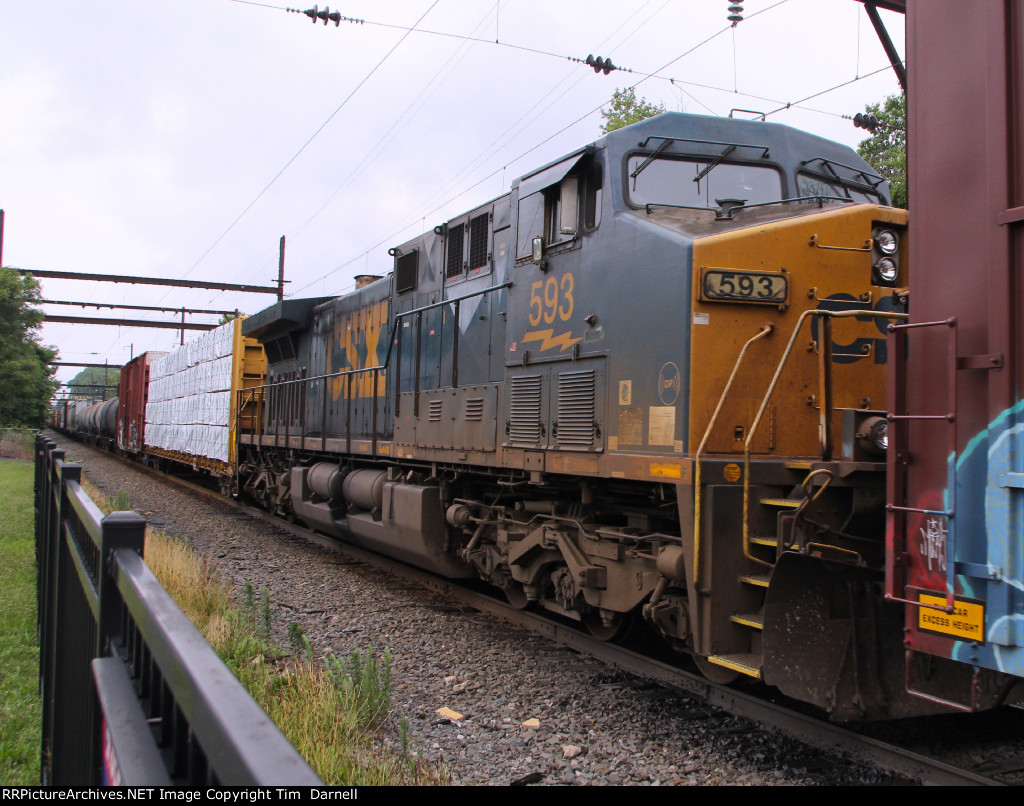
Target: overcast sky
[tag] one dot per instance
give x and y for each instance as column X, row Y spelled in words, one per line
column 182, row 139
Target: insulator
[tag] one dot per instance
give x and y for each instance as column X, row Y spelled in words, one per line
column 863, row 120
column 735, row 14
column 326, row 15
column 600, row 64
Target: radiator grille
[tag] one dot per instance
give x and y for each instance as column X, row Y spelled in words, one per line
column 478, row 241
column 474, row 409
column 524, row 424
column 406, row 271
column 456, row 243
column 576, row 410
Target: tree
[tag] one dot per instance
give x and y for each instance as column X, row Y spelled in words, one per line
column 886, row 149
column 26, row 377
column 85, row 383
column 626, row 109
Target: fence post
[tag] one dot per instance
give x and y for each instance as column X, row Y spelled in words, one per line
column 48, row 538
column 120, row 530
column 70, row 712
column 42, row 503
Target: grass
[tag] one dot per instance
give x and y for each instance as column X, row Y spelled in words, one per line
column 20, row 709
column 333, row 713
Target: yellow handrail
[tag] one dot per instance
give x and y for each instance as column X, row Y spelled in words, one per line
column 766, row 329
column 767, row 398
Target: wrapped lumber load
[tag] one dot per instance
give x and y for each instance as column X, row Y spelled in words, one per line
column 191, row 412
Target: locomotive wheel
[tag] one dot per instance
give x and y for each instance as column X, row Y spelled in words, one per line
column 516, row 595
column 618, row 626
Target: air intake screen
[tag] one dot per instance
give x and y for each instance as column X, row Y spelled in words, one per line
column 456, row 243
column 406, row 269
column 478, row 241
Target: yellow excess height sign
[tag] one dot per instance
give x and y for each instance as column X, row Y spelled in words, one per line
column 967, row 621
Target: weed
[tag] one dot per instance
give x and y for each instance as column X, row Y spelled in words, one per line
column 248, row 603
column 365, row 682
column 300, row 643
column 120, row 502
column 265, row 614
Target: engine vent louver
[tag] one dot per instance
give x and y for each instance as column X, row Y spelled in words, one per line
column 576, row 409
column 434, row 408
column 525, row 427
column 474, row 409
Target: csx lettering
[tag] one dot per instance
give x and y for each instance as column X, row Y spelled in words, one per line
column 550, row 298
column 862, row 346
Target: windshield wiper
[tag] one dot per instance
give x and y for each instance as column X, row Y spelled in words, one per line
column 648, row 160
column 713, row 164
column 725, row 211
column 865, row 177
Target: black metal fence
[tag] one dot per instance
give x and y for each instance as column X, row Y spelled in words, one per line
column 132, row 693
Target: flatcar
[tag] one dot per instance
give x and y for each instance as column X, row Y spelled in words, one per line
column 648, row 383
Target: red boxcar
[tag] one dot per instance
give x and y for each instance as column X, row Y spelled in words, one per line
column 956, row 455
column 133, row 395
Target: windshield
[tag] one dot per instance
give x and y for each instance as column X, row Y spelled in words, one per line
column 698, row 183
column 813, row 185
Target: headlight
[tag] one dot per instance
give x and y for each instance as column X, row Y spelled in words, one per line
column 879, row 435
column 873, row 436
column 887, row 270
column 887, row 241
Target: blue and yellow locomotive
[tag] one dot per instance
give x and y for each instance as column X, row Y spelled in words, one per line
column 649, row 383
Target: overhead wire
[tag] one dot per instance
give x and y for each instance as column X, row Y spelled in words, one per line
column 488, row 151
column 678, row 83
column 419, row 216
column 311, row 138
column 478, row 39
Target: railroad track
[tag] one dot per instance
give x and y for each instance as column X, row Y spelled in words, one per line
column 899, row 761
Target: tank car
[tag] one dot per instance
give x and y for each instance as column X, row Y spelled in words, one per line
column 97, row 422
column 647, row 384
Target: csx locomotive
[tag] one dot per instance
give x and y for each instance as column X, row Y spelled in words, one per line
column 648, row 383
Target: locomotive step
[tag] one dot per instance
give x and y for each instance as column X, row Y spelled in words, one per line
column 768, row 540
column 791, row 503
column 757, row 580
column 743, row 662
column 799, row 464
column 752, row 620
